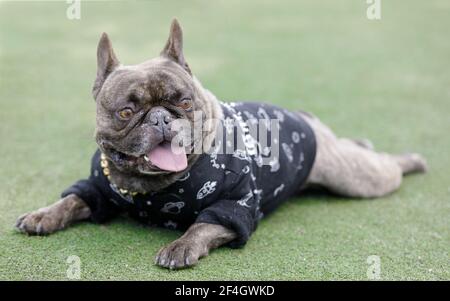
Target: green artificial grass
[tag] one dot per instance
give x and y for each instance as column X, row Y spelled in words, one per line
column 387, row 80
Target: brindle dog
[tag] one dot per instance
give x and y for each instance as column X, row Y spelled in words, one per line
column 346, row 167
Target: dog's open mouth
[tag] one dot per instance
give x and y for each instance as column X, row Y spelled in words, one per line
column 165, row 157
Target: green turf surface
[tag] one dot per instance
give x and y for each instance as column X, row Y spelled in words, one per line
column 387, row 80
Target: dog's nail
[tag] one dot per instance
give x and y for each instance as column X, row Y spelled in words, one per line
column 146, row 158
column 22, row 227
column 39, row 230
column 172, row 264
column 20, row 220
column 19, row 228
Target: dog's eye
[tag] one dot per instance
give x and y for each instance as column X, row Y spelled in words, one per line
column 125, row 114
column 185, row 104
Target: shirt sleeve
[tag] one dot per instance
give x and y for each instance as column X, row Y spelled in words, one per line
column 237, row 209
column 90, row 191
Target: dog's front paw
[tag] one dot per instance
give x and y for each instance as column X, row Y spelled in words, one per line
column 40, row 222
column 180, row 254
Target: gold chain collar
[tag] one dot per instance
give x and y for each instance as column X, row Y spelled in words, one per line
column 105, row 167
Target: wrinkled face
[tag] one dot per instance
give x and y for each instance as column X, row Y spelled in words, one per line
column 140, row 109
column 137, row 109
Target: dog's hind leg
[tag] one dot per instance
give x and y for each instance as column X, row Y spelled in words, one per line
column 347, row 168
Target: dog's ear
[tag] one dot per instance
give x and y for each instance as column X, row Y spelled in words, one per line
column 106, row 63
column 174, row 46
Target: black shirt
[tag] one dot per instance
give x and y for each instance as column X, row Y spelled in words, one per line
column 234, row 188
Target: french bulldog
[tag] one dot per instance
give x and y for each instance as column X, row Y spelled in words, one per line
column 164, row 175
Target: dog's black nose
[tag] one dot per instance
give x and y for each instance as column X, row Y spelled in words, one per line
column 159, row 116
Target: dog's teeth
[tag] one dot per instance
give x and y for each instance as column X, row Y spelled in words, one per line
column 146, row 158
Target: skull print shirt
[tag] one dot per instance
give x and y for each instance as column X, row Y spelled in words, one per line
column 261, row 156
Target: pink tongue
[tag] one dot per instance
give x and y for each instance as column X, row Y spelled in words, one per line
column 168, row 157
